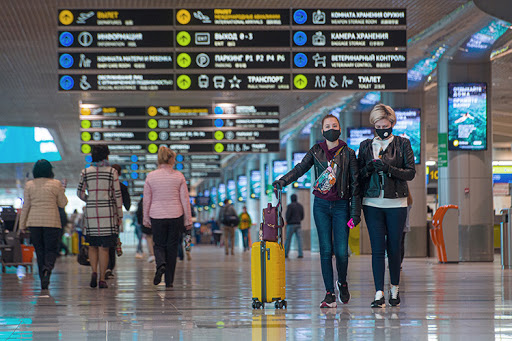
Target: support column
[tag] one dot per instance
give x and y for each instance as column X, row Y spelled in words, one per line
column 313, row 137
column 253, row 205
column 466, row 181
column 417, row 240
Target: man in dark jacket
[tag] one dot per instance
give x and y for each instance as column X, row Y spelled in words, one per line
column 294, row 216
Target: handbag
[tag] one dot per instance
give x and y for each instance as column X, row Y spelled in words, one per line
column 327, row 179
column 83, row 255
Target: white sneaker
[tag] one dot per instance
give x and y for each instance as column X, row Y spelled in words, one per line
column 151, row 259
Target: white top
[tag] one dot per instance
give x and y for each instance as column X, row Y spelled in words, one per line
column 378, row 146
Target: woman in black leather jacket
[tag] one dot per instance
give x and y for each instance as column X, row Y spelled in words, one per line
column 335, row 208
column 386, row 163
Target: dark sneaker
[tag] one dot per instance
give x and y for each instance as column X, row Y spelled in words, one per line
column 344, row 294
column 379, row 303
column 394, row 297
column 158, row 275
column 329, row 301
column 109, row 274
column 103, row 285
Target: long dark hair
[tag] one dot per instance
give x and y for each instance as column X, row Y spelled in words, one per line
column 43, row 169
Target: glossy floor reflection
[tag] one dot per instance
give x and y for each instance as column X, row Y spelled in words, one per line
column 211, row 300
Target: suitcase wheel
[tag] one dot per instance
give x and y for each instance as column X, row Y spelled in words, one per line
column 257, row 304
column 281, row 304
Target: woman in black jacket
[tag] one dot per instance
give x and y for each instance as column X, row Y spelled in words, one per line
column 336, row 207
column 386, row 163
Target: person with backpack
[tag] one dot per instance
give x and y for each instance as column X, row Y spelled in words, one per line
column 245, row 227
column 386, row 163
column 229, row 219
column 43, row 197
column 337, row 205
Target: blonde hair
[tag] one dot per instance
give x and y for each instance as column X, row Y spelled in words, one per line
column 165, row 155
column 382, row 111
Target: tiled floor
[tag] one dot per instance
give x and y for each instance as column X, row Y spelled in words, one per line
column 211, row 300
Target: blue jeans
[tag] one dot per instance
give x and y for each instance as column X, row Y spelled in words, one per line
column 245, row 237
column 331, row 218
column 385, row 226
column 293, row 229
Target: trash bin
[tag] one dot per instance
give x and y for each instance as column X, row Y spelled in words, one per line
column 506, row 239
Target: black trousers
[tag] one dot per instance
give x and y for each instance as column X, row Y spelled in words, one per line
column 111, row 258
column 166, row 237
column 46, row 241
column 112, row 253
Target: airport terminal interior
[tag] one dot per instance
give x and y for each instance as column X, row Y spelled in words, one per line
column 239, row 92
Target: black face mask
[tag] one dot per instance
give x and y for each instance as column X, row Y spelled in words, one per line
column 384, row 133
column 332, row 134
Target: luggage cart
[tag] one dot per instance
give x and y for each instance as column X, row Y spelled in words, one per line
column 14, row 253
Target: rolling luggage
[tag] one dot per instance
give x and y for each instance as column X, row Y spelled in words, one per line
column 268, row 273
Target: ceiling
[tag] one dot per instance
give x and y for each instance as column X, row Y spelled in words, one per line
column 28, row 67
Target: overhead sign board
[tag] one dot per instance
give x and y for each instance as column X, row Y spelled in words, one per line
column 198, row 45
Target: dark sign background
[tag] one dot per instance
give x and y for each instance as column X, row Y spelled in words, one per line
column 243, row 39
column 128, row 17
column 397, row 38
column 149, row 39
column 352, row 17
column 79, row 60
column 198, row 16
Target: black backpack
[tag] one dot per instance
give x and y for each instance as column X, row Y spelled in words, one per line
column 230, row 218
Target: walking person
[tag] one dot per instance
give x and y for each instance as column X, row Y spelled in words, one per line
column 117, row 250
column 99, row 188
column 229, row 219
column 245, row 227
column 294, row 216
column 386, row 163
column 43, row 197
column 337, row 206
column 167, row 213
column 146, row 231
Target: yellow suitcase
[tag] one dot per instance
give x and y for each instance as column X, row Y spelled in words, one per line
column 268, row 275
column 74, row 243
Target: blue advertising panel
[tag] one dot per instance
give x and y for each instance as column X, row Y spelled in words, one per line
column 305, row 180
column 27, row 144
column 213, row 196
column 279, row 168
column 255, row 184
column 357, row 135
column 408, row 125
column 242, row 188
column 467, row 116
column 221, row 193
column 232, row 190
